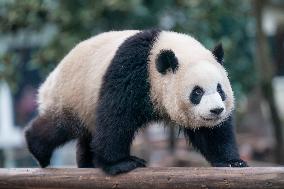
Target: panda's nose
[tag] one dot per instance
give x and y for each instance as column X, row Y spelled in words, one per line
column 217, row 111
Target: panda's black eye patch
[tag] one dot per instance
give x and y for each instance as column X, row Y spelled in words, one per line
column 196, row 95
column 221, row 92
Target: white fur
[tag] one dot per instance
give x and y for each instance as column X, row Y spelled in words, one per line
column 209, row 76
column 197, row 66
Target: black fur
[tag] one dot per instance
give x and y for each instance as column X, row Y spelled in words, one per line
column 221, row 92
column 165, row 61
column 196, row 95
column 218, row 52
column 124, row 104
column 47, row 132
column 84, row 155
column 217, row 144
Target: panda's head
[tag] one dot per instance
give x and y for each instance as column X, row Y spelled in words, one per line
column 189, row 82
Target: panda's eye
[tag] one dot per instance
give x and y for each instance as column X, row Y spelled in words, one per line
column 198, row 91
column 196, row 95
column 221, row 92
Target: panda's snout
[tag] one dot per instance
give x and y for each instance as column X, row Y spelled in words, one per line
column 217, row 111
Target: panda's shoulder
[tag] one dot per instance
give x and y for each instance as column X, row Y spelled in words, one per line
column 106, row 38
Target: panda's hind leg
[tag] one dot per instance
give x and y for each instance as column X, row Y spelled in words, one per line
column 84, row 155
column 47, row 132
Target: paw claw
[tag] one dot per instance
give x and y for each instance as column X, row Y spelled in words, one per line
column 138, row 160
column 231, row 163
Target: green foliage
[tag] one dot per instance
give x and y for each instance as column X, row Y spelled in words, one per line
column 76, row 20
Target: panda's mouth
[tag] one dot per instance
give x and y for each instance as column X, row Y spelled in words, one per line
column 210, row 119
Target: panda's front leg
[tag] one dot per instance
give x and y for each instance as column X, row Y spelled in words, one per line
column 217, row 145
column 111, row 144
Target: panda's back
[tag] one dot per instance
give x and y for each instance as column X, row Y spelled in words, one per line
column 75, row 83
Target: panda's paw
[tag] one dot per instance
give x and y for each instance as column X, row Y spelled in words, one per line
column 238, row 163
column 38, row 148
column 42, row 155
column 125, row 166
column 231, row 163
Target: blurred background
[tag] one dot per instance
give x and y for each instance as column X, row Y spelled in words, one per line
column 36, row 34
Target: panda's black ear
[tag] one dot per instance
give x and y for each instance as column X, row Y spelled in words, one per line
column 218, row 52
column 166, row 60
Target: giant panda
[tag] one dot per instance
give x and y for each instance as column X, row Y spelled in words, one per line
column 111, row 85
